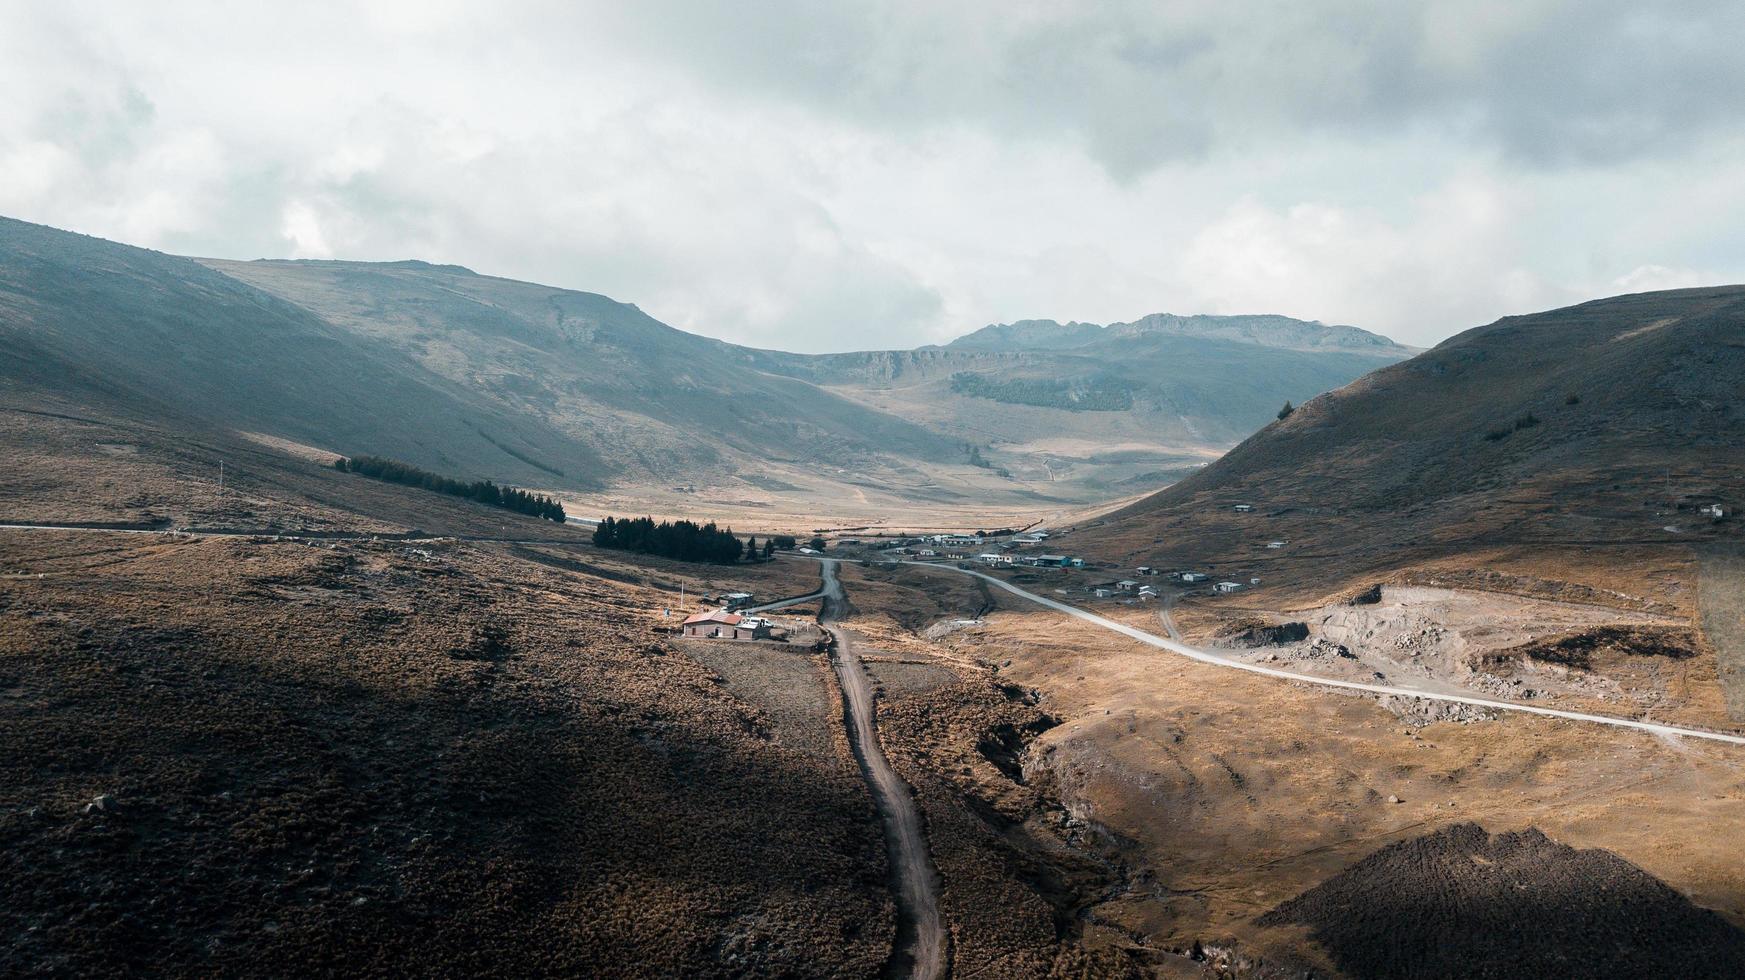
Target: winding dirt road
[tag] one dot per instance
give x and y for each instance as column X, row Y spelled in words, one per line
column 1207, row 657
column 921, row 944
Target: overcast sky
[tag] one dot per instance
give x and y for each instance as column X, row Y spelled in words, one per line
column 837, row 175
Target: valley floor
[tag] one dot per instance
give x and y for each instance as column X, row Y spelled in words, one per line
column 445, row 739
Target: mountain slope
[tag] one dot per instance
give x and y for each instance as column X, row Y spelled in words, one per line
column 659, row 403
column 1610, row 422
column 86, row 320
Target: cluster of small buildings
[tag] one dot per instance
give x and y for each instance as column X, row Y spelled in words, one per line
column 1126, row 586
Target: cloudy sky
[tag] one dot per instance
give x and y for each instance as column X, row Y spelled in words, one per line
column 827, row 176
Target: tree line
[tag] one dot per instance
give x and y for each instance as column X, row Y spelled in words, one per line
column 482, row 491
column 683, row 540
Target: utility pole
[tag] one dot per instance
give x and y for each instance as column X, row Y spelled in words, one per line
column 221, row 478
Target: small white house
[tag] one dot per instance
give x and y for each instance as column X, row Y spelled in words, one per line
column 1145, row 570
column 990, row 558
column 1714, row 510
column 1275, row 544
column 1226, row 586
column 1148, row 592
column 1126, row 585
column 720, row 624
column 1243, row 508
column 1102, row 593
column 1193, row 576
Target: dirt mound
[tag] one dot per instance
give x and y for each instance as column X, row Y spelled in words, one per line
column 1255, row 632
column 1365, row 597
column 1577, row 647
column 1465, row 903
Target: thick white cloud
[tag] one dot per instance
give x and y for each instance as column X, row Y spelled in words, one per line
column 831, row 176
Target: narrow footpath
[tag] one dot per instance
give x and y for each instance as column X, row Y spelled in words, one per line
column 920, row 950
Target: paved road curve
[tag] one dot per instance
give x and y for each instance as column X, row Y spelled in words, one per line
column 1192, row 653
column 920, row 949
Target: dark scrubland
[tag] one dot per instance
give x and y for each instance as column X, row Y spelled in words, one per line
column 254, row 757
column 1461, row 902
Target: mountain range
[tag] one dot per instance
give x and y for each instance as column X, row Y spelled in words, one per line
column 481, row 376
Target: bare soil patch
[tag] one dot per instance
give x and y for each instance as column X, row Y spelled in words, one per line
column 1723, row 620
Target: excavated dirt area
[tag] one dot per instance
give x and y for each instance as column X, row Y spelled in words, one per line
column 1464, row 903
column 1491, row 644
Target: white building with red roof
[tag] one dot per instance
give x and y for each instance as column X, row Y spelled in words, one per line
column 719, row 624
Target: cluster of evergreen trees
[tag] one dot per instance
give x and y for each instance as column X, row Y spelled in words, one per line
column 483, row 491
column 684, row 540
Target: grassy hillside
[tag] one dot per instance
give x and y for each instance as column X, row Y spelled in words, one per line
column 1592, row 408
column 1562, row 455
column 156, row 336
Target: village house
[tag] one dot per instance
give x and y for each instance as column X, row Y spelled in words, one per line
column 719, row 624
column 1243, row 508
column 735, row 600
column 989, row 558
column 1148, row 592
column 1145, row 570
column 1127, row 585
column 1714, row 510
column 1226, row 586
column 1192, row 576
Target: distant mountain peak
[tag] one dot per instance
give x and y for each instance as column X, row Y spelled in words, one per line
column 414, row 265
column 1266, row 330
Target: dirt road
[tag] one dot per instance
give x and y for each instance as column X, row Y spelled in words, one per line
column 1207, row 657
column 318, row 536
column 920, row 948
